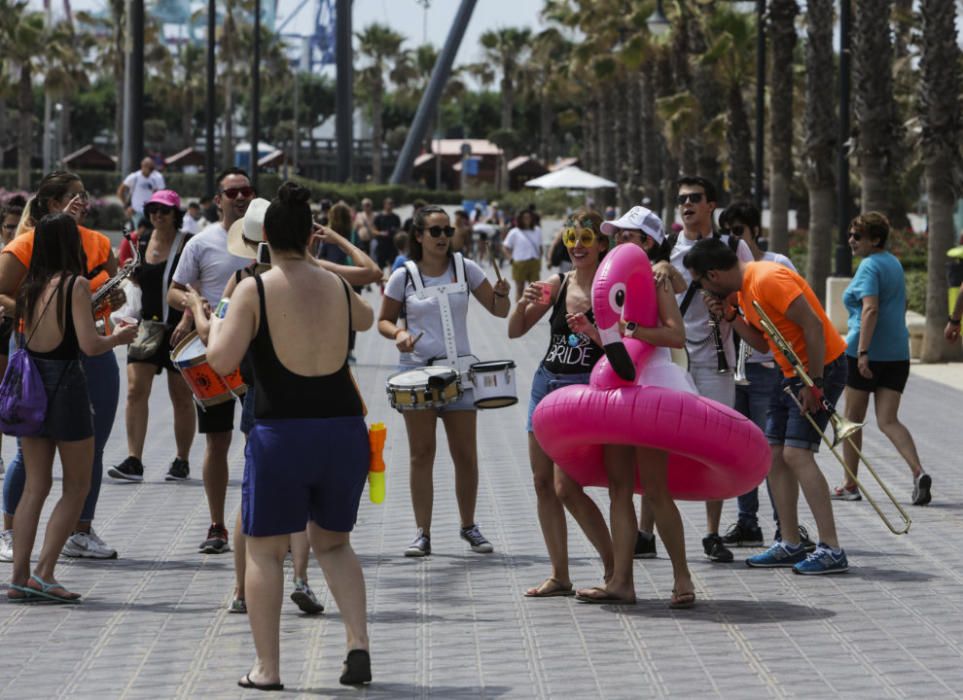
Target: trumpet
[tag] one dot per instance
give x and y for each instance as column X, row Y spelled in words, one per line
column 843, row 429
column 98, row 299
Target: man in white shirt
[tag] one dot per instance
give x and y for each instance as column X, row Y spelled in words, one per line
column 139, row 186
column 524, row 246
column 207, row 266
column 709, row 342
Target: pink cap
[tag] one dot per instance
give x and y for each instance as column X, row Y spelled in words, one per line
column 168, row 198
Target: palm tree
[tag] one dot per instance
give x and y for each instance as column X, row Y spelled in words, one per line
column 939, row 113
column 782, row 40
column 110, row 56
column 878, row 130
column 507, row 49
column 382, row 47
column 820, row 141
column 22, row 44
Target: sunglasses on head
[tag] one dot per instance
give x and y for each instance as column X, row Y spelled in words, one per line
column 694, row 197
column 437, row 231
column 233, row 192
column 161, row 209
column 572, row 236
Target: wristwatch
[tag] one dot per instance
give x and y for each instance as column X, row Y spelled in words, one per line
column 954, row 321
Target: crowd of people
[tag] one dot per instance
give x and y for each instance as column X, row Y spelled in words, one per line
column 235, row 284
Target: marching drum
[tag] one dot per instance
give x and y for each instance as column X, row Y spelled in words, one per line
column 422, row 388
column 494, row 383
column 209, row 388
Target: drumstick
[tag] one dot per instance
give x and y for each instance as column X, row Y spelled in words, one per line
column 498, row 273
column 417, row 338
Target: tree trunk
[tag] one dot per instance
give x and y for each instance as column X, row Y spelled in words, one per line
column 546, row 117
column 649, row 148
column 25, row 138
column 589, row 139
column 228, row 142
column 782, row 33
column 508, row 97
column 119, row 19
column 820, row 141
column 739, row 136
column 822, row 212
column 187, row 117
column 940, row 122
column 376, row 127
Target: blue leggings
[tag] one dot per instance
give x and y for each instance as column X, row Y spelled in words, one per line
column 103, row 387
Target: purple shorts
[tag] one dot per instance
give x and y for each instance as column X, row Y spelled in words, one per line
column 301, row 469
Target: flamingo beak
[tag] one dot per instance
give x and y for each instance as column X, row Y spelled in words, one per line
column 616, row 353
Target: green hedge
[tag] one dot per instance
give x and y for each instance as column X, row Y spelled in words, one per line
column 191, row 186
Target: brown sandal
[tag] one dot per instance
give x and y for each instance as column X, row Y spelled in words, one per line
column 682, row 601
column 550, row 588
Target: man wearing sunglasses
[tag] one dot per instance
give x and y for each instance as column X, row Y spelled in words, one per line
column 139, row 186
column 208, row 266
column 697, row 201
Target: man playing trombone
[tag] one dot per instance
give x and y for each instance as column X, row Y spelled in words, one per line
column 802, row 325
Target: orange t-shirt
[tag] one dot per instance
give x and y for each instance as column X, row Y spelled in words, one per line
column 96, row 248
column 775, row 287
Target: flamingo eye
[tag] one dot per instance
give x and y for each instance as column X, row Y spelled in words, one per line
column 617, row 296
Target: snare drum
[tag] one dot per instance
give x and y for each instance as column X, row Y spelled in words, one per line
column 494, row 383
column 209, row 388
column 423, row 388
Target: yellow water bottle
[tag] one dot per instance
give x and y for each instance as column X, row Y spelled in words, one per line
column 376, row 470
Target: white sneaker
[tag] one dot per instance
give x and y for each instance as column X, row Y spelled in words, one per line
column 6, row 545
column 88, row 545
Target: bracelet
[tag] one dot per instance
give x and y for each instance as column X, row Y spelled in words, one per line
column 954, row 321
column 863, row 352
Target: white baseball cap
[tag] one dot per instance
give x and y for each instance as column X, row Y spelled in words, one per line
column 637, row 219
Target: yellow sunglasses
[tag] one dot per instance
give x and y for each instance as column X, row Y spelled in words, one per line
column 572, row 236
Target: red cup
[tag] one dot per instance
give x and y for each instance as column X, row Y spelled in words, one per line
column 546, row 290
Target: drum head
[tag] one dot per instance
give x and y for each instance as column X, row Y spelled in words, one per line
column 190, row 348
column 416, row 377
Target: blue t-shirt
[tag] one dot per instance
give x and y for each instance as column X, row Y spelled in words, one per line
column 879, row 275
column 399, row 262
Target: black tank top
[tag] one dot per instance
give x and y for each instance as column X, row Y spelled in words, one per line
column 568, row 352
column 280, row 393
column 69, row 347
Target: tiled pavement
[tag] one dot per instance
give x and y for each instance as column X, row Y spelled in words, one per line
column 154, row 623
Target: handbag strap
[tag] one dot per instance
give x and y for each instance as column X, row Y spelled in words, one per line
column 174, row 252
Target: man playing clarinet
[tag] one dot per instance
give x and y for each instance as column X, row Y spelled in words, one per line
column 793, row 308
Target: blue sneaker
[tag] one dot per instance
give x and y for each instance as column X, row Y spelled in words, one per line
column 778, row 555
column 823, row 561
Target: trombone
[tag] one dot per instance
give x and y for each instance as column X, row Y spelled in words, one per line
column 842, row 429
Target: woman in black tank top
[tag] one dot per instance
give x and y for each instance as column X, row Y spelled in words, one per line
column 55, row 309
column 307, row 454
column 568, row 360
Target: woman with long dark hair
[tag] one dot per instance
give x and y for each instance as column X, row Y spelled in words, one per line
column 62, row 191
column 307, row 454
column 54, row 306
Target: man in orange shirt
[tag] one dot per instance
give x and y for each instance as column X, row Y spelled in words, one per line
column 796, row 312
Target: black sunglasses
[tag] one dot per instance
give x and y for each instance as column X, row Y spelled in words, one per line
column 694, row 197
column 437, row 231
column 736, row 231
column 233, row 192
column 162, row 209
column 855, row 236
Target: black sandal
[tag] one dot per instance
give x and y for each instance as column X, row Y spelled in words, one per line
column 357, row 668
column 246, row 682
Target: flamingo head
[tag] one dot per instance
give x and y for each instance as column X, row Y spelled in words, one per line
column 623, row 290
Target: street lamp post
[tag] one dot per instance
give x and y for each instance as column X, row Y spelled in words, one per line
column 209, row 116
column 844, row 256
column 255, row 138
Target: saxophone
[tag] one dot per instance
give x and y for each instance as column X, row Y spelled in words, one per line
column 99, row 298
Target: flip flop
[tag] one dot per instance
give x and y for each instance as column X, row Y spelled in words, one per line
column 682, row 601
column 556, row 590
column 246, row 682
column 26, row 594
column 605, row 599
column 45, row 591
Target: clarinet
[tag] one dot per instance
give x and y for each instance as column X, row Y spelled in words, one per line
column 722, row 364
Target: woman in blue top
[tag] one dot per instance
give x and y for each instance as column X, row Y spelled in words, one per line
column 878, row 350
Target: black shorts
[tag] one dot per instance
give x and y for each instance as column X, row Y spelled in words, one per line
column 886, row 375
column 160, row 359
column 216, row 419
column 6, row 330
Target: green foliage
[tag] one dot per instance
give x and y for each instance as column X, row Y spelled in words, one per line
column 547, row 202
column 916, row 290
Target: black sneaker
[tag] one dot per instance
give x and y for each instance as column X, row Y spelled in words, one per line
column 921, row 489
column 216, row 542
column 472, row 535
column 742, row 535
column 131, row 469
column 644, row 545
column 715, row 550
column 180, row 470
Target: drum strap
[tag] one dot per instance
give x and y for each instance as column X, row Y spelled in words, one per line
column 441, row 293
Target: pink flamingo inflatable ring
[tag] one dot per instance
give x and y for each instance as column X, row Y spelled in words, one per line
column 714, row 452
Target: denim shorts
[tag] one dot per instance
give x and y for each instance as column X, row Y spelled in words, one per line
column 786, row 425
column 545, row 382
column 69, row 416
column 301, row 469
